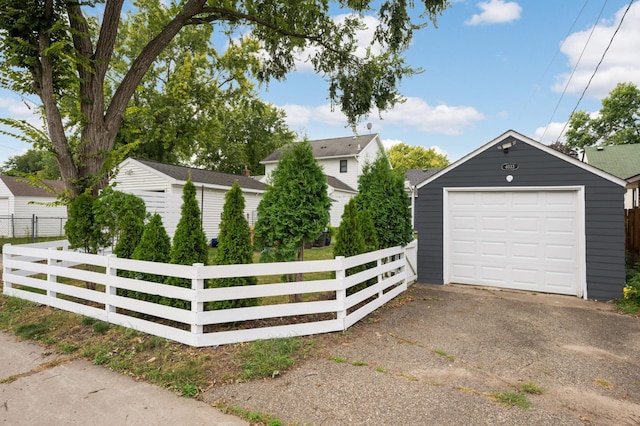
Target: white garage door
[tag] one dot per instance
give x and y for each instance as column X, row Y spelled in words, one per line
column 526, row 240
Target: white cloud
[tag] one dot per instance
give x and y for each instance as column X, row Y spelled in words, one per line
column 495, row 12
column 548, row 135
column 441, row 119
column 621, row 63
column 19, row 110
column 388, row 143
column 414, row 113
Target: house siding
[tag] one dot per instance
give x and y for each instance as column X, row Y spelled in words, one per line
column 134, row 177
column 604, row 220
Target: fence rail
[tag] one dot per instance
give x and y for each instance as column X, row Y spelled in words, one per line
column 50, row 274
column 632, row 233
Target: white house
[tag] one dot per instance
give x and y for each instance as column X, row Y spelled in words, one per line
column 342, row 160
column 160, row 185
column 26, row 210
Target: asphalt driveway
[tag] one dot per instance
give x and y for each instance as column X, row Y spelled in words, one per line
column 440, row 354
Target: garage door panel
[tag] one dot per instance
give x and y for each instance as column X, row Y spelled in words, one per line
column 514, row 239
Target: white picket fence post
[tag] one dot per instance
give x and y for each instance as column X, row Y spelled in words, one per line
column 341, row 293
column 50, row 277
column 110, row 289
column 5, row 247
column 197, row 284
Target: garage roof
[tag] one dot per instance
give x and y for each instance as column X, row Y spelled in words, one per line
column 20, row 187
column 512, row 134
column 622, row 161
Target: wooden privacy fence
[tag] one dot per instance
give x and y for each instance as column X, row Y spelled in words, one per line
column 50, row 274
column 632, row 233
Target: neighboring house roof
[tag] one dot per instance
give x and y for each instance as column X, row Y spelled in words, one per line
column 20, row 187
column 622, row 161
column 349, row 146
column 416, row 176
column 181, row 173
column 338, row 184
column 511, row 135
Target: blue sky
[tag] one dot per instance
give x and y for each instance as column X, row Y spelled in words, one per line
column 490, row 66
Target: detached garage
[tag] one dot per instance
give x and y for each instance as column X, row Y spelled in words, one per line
column 518, row 214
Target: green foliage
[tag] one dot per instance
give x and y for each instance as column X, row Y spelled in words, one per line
column 234, row 247
column 631, row 290
column 113, row 210
column 382, row 194
column 404, row 157
column 80, row 226
column 512, row 399
column 356, row 235
column 295, row 206
column 38, row 163
column 131, row 229
column 189, row 241
column 88, row 73
column 618, row 121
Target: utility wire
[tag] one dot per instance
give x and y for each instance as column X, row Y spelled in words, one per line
column 613, row 36
column 573, row 71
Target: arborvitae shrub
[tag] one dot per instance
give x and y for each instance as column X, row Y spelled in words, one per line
column 189, row 241
column 234, row 247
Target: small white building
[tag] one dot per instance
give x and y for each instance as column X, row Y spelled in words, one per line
column 342, row 160
column 27, row 210
column 160, row 185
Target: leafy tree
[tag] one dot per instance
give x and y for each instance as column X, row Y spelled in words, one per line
column 189, row 241
column 194, row 105
column 234, row 246
column 294, row 207
column 40, row 163
column 404, row 157
column 52, row 49
column 382, row 194
column 617, row 123
column 111, row 213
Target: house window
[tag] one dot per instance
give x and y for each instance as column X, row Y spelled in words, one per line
column 343, row 166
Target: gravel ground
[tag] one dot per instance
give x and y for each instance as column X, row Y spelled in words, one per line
column 439, row 354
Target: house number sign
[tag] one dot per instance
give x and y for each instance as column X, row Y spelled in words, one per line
column 509, row 166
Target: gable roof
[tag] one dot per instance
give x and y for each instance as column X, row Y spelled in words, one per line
column 20, row 187
column 349, row 146
column 622, row 161
column 512, row 134
column 181, row 174
column 415, row 176
column 338, row 184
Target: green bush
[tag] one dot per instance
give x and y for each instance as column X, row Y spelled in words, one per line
column 189, row 241
column 632, row 289
column 234, row 247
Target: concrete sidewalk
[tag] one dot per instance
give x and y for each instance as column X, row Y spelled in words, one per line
column 54, row 389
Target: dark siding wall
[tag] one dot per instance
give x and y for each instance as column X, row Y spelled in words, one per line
column 604, row 208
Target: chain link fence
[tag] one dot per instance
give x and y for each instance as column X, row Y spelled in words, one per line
column 33, row 227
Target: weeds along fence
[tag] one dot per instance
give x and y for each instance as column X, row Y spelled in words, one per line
column 33, row 226
column 337, row 293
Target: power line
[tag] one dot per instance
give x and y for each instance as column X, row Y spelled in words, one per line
column 573, row 71
column 613, row 36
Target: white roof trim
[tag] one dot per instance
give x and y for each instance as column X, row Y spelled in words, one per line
column 535, row 144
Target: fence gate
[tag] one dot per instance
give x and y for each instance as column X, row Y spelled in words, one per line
column 632, row 233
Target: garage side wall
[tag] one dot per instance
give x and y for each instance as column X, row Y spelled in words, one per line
column 604, row 219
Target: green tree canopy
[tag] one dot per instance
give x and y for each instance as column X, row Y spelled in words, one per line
column 404, row 157
column 617, row 122
column 35, row 162
column 382, row 194
column 295, row 206
column 53, row 49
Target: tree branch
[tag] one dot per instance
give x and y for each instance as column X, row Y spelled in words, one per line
column 107, row 37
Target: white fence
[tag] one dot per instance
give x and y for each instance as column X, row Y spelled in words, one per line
column 48, row 273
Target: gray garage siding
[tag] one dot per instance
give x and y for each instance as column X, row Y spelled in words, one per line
column 604, row 206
